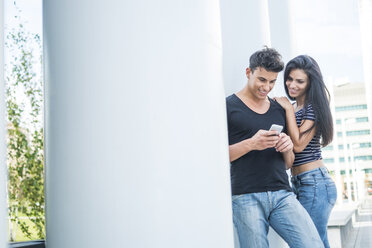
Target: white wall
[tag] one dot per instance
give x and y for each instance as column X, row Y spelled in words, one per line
column 136, row 136
column 282, row 36
column 245, row 29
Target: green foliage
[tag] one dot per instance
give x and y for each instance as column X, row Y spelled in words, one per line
column 25, row 132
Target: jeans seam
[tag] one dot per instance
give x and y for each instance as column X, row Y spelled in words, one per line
column 315, row 193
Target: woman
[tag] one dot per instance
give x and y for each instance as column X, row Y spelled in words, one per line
column 310, row 126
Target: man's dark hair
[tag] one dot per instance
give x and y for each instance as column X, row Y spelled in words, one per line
column 267, row 58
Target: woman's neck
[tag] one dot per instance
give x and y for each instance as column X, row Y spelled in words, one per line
column 300, row 101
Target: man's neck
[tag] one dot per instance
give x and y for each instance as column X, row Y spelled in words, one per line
column 257, row 105
column 247, row 95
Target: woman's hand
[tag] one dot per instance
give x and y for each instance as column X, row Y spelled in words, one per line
column 284, row 102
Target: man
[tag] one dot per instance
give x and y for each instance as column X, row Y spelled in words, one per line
column 259, row 158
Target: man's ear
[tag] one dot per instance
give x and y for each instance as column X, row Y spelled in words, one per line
column 248, row 72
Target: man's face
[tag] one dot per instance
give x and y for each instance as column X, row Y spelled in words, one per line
column 260, row 82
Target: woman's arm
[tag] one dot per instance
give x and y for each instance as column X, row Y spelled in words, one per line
column 299, row 141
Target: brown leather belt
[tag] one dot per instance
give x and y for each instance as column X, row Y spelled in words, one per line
column 306, row 167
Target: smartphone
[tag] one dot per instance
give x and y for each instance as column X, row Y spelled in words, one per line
column 276, row 127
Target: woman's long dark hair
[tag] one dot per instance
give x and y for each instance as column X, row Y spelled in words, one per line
column 317, row 95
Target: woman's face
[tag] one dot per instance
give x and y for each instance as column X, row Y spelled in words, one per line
column 297, row 83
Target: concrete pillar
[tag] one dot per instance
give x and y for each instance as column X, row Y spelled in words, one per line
column 136, row 136
column 3, row 153
column 282, row 36
column 245, row 29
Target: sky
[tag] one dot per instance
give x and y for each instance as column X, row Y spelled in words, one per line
column 327, row 30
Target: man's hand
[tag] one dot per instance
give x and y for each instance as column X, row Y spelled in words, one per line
column 284, row 144
column 264, row 139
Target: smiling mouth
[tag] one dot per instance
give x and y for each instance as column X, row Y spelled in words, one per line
column 263, row 93
column 292, row 92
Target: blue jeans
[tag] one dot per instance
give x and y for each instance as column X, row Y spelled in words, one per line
column 317, row 193
column 253, row 213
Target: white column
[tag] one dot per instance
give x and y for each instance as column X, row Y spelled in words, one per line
column 346, row 161
column 136, row 136
column 281, row 27
column 336, row 151
column 361, row 179
column 282, row 36
column 3, row 168
column 245, row 29
column 354, row 172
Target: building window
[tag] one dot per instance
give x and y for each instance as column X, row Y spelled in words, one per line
column 361, row 145
column 327, row 148
column 357, row 120
column 329, row 160
column 361, row 119
column 351, row 107
column 342, row 159
column 363, row 158
column 357, row 132
column 364, row 145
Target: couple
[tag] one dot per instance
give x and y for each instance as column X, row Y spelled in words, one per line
column 262, row 196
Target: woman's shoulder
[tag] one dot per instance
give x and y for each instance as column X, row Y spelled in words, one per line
column 309, row 112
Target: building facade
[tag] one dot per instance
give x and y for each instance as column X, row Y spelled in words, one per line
column 350, row 153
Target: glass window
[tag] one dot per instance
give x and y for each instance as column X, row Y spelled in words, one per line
column 351, row 107
column 361, row 119
column 329, row 160
column 357, row 132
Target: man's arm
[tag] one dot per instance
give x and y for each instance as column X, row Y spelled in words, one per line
column 261, row 140
column 239, row 149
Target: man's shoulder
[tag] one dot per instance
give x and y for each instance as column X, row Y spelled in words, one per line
column 230, row 98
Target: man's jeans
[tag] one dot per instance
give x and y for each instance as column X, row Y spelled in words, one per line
column 255, row 212
column 317, row 193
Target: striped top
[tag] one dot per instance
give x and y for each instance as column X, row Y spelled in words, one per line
column 312, row 151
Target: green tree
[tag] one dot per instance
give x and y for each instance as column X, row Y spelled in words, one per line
column 24, row 88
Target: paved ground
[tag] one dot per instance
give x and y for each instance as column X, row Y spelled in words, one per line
column 361, row 236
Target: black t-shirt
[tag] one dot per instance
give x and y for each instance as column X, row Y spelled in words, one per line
column 256, row 171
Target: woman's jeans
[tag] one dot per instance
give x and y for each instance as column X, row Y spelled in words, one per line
column 253, row 214
column 317, row 193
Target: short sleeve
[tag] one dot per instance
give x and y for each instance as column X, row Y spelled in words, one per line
column 309, row 113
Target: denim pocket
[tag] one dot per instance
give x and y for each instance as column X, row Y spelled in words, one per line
column 234, row 197
column 331, row 193
column 308, row 180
